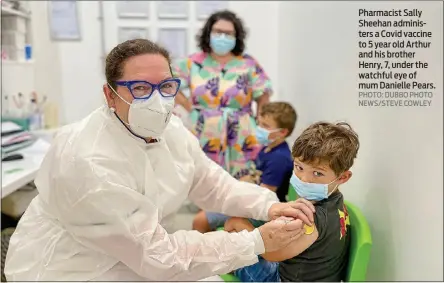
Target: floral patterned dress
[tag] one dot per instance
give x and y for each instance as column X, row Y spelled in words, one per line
column 222, row 97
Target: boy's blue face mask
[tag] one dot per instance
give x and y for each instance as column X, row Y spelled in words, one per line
column 311, row 191
column 263, row 135
column 222, row 44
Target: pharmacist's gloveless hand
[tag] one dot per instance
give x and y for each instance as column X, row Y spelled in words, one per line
column 299, row 209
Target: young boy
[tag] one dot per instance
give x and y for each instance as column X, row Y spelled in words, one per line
column 323, row 155
column 273, row 165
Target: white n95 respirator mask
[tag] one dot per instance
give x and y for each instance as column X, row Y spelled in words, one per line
column 149, row 117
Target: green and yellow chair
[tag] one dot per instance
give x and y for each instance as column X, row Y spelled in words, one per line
column 360, row 246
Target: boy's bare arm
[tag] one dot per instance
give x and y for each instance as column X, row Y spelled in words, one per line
column 237, row 224
column 294, row 248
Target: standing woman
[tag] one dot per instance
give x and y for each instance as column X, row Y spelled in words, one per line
column 223, row 83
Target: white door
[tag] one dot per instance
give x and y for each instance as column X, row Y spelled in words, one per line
column 173, row 24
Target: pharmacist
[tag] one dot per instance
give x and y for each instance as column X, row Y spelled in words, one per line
column 110, row 185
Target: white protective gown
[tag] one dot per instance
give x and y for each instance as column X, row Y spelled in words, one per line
column 106, row 196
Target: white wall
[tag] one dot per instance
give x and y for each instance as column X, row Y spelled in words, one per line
column 79, row 64
column 47, row 65
column 68, row 73
column 262, row 21
column 398, row 176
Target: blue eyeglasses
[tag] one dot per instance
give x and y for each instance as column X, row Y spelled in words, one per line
column 144, row 89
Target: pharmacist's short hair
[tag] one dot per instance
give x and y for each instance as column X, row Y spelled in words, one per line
column 337, row 144
column 122, row 52
column 281, row 112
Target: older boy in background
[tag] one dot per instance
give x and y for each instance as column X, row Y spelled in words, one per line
column 274, row 163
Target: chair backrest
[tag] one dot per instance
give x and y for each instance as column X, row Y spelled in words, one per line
column 360, row 246
column 361, row 241
column 6, row 235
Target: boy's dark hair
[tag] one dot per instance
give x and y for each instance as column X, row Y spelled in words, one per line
column 125, row 50
column 336, row 144
column 283, row 113
column 203, row 39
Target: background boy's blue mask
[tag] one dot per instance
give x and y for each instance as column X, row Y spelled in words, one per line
column 311, row 191
column 263, row 135
column 222, row 44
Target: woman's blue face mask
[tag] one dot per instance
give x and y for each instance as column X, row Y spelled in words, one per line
column 222, row 44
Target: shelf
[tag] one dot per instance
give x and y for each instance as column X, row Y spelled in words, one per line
column 15, row 62
column 12, row 12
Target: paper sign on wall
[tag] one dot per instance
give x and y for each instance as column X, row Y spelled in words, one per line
column 63, row 20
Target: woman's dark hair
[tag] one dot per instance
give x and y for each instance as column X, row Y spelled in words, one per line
column 203, row 38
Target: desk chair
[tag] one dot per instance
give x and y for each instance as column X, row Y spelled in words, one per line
column 6, row 236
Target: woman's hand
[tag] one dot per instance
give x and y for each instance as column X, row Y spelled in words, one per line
column 262, row 100
column 277, row 234
column 247, row 178
column 299, row 209
column 237, row 224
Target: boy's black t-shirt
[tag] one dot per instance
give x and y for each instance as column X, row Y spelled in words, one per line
column 327, row 258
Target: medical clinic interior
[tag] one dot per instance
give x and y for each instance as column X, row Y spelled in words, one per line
column 244, row 141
